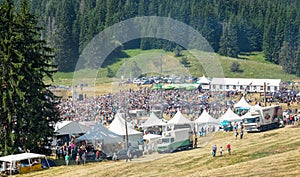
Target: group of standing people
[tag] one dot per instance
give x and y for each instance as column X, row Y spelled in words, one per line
column 214, row 150
column 236, row 133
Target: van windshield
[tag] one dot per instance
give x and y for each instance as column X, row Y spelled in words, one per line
column 164, row 140
column 250, row 120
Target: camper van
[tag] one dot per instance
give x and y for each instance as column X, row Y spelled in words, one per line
column 174, row 140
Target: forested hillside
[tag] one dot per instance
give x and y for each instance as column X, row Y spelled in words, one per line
column 230, row 26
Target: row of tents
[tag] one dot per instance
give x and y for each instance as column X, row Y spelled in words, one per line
column 116, row 131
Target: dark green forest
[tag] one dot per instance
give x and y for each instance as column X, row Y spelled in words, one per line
column 230, row 26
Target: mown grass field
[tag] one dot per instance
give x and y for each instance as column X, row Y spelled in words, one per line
column 149, row 61
column 271, row 153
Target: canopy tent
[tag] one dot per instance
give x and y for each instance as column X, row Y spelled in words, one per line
column 118, row 126
column 72, row 127
column 101, row 133
column 203, row 80
column 242, row 104
column 66, row 129
column 179, row 119
column 231, row 116
column 153, row 120
column 12, row 159
column 205, row 118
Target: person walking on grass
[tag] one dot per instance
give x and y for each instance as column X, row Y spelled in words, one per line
column 241, row 133
column 128, row 155
column 228, row 149
column 83, row 157
column 221, row 151
column 214, row 150
column 77, row 159
column 67, row 158
column 236, row 134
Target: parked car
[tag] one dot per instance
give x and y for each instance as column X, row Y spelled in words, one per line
column 135, row 153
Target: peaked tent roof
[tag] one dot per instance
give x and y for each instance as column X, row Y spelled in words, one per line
column 72, row 128
column 230, row 116
column 206, row 118
column 179, row 119
column 118, row 126
column 203, row 80
column 100, row 132
column 153, row 120
column 242, row 104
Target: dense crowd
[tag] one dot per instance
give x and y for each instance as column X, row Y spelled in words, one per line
column 189, row 102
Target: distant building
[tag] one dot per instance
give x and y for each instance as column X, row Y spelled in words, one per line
column 245, row 84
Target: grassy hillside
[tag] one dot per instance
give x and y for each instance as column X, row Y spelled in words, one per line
column 155, row 61
column 272, row 153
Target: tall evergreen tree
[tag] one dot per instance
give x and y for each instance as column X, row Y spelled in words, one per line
column 228, row 41
column 28, row 108
column 297, row 67
column 287, row 58
column 66, row 49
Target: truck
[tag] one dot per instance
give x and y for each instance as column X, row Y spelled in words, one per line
column 174, row 140
column 262, row 118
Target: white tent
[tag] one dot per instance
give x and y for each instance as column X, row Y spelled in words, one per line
column 231, row 116
column 205, row 118
column 179, row 119
column 118, row 126
column 203, row 80
column 242, row 104
column 12, row 159
column 70, row 128
column 153, row 120
column 101, row 133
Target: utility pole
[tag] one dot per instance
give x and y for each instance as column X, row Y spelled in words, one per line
column 125, row 118
column 265, row 85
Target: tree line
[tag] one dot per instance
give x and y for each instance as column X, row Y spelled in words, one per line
column 28, row 109
column 230, row 26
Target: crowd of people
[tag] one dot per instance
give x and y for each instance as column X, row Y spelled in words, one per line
column 189, row 102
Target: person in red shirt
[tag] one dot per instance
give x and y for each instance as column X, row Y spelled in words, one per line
column 228, row 148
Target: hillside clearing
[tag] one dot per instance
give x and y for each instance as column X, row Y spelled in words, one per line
column 272, row 153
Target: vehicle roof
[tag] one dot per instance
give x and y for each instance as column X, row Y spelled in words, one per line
column 19, row 157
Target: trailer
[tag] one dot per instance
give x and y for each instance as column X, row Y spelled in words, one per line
column 263, row 118
column 175, row 140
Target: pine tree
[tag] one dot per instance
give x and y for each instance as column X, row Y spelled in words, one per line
column 287, row 58
column 228, row 42
column 28, row 107
column 66, row 49
column 297, row 67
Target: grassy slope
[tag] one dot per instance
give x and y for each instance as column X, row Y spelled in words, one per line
column 272, row 153
column 252, row 64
